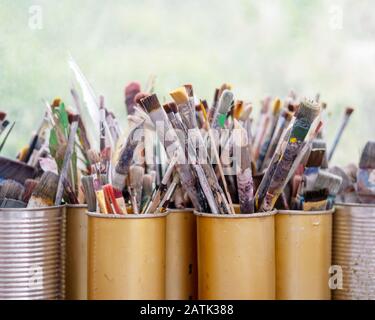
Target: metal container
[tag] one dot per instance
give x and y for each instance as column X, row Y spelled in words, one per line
column 126, row 256
column 76, row 252
column 236, row 256
column 181, row 255
column 303, row 255
column 32, row 245
column 354, row 251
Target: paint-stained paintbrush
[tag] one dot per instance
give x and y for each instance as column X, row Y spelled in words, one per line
column 344, row 123
column 44, row 193
column 245, row 182
column 305, row 116
column 29, row 185
column 136, row 174
column 88, row 187
column 15, row 170
column 162, row 124
column 131, row 90
column 126, row 156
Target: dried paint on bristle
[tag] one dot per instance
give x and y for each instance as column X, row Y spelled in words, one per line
column 346, row 180
column 180, row 96
column 30, row 185
column 11, row 189
column 2, row 116
column 151, row 103
column 132, row 87
column 367, row 160
column 189, row 90
column 349, row 111
column 139, row 96
column 15, row 170
column 308, row 110
column 56, row 102
column 276, row 107
column 246, row 112
column 225, row 102
column 316, row 158
column 45, row 192
column 167, row 108
column 173, row 107
column 238, row 109
column 327, row 180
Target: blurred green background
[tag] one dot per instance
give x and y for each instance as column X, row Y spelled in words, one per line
column 261, row 47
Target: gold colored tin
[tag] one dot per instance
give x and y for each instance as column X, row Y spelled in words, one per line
column 181, row 255
column 236, row 256
column 303, row 255
column 76, row 252
column 126, row 256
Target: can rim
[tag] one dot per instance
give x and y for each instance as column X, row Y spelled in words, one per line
column 305, row 213
column 31, row 209
column 237, row 215
column 355, row 205
column 126, row 216
column 186, row 210
column 76, row 206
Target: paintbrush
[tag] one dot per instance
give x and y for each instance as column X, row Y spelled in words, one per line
column 209, row 183
column 344, row 123
column 273, row 121
column 366, row 174
column 163, row 187
column 162, row 124
column 147, row 189
column 126, row 156
column 4, row 124
column 6, row 136
column 44, row 193
column 135, row 187
column 66, row 163
column 245, row 183
column 212, row 110
column 29, row 185
column 282, row 124
column 11, row 190
column 261, row 124
column 15, row 170
column 164, row 203
column 178, row 198
column 131, row 90
column 88, row 188
column 224, row 105
column 308, row 111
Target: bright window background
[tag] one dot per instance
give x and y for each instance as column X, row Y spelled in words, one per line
column 261, row 47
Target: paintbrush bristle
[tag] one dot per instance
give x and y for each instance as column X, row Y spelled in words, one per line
column 150, row 103
column 136, row 174
column 225, row 102
column 93, row 156
column 167, row 108
column 15, row 170
column 276, row 107
column 308, row 110
column 139, row 96
column 367, row 160
column 327, row 180
column 2, row 116
column 189, row 90
column 316, row 158
column 316, row 195
column 11, row 189
column 148, row 181
column 173, row 107
column 30, row 185
column 179, row 95
column 349, row 111
column 45, row 192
